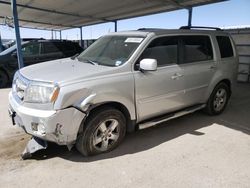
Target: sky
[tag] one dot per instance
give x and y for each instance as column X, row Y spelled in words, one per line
column 223, row 14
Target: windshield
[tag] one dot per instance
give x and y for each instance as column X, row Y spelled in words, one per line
column 11, row 49
column 111, row 50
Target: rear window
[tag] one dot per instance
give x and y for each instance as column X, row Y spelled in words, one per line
column 196, row 48
column 225, row 46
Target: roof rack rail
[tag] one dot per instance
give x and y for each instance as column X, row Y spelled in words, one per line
column 200, row 27
column 142, row 29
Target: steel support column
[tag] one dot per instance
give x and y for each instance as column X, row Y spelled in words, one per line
column 115, row 22
column 17, row 32
column 190, row 14
column 81, row 43
column 60, row 34
column 1, row 44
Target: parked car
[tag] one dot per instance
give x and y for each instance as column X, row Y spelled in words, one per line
column 34, row 51
column 123, row 82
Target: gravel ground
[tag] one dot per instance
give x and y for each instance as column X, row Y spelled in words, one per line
column 192, row 151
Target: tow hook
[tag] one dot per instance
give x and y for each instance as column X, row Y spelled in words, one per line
column 32, row 146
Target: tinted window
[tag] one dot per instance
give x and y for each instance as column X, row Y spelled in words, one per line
column 49, row 47
column 65, row 46
column 196, row 48
column 31, row 49
column 225, row 46
column 163, row 49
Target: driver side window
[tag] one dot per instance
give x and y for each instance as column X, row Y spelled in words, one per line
column 163, row 49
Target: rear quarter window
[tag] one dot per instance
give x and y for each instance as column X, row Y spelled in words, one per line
column 225, row 46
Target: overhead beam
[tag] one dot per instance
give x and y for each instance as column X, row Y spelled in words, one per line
column 172, row 2
column 26, row 27
column 46, row 23
column 57, row 12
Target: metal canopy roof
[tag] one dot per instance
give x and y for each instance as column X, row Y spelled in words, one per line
column 65, row 14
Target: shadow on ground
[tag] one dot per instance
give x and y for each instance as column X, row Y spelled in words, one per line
column 141, row 140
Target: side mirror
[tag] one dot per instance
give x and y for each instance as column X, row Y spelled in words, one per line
column 14, row 54
column 148, row 65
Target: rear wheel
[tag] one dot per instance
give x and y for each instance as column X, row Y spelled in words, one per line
column 3, row 79
column 104, row 130
column 218, row 99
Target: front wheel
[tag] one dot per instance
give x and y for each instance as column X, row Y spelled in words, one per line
column 104, row 130
column 218, row 99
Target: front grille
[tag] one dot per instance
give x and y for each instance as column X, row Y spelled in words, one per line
column 20, row 86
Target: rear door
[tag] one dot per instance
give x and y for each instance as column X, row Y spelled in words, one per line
column 50, row 51
column 161, row 91
column 198, row 65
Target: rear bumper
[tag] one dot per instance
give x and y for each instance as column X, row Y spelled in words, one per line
column 59, row 126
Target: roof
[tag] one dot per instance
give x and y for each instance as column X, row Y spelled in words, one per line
column 156, row 31
column 65, row 14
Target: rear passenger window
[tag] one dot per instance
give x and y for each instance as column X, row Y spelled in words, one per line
column 65, row 46
column 49, row 47
column 163, row 49
column 196, row 48
column 225, row 46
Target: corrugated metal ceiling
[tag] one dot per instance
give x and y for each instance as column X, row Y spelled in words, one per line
column 65, row 14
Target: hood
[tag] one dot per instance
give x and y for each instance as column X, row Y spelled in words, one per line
column 63, row 71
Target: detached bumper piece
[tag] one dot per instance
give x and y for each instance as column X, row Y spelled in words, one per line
column 32, row 146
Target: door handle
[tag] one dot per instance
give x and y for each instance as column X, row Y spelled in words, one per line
column 176, row 75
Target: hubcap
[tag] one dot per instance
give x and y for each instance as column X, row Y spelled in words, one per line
column 220, row 99
column 106, row 134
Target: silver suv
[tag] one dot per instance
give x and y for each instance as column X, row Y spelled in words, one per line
column 123, row 82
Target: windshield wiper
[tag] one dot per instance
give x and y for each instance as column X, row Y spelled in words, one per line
column 93, row 62
column 74, row 56
column 88, row 61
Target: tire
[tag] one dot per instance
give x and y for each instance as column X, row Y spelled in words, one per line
column 3, row 79
column 218, row 100
column 104, row 131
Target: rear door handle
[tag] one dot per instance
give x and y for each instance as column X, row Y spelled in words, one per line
column 176, row 75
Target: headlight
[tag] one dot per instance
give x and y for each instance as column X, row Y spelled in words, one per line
column 41, row 93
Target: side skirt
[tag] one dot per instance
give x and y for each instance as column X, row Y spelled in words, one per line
column 170, row 116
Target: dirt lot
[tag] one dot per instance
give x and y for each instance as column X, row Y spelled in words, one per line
column 193, row 151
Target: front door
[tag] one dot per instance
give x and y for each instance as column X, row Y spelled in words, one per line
column 161, row 91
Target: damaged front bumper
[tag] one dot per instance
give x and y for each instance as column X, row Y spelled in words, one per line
column 59, row 126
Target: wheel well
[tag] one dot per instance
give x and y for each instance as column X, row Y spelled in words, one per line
column 228, row 83
column 130, row 124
